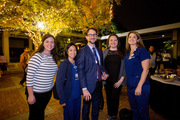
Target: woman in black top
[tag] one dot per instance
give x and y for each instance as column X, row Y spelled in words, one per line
column 114, row 63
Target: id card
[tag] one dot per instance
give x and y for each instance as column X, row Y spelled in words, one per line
column 76, row 76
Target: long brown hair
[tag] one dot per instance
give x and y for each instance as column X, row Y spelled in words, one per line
column 121, row 51
column 139, row 43
column 41, row 47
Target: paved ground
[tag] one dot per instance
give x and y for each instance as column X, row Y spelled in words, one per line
column 13, row 105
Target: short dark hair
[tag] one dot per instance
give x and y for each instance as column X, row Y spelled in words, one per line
column 91, row 29
column 67, row 47
column 26, row 47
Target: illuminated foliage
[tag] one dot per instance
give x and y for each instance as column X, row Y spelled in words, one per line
column 38, row 17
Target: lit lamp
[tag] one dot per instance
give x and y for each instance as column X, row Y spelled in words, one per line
column 40, row 25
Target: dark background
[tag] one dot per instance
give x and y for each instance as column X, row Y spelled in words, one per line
column 139, row 14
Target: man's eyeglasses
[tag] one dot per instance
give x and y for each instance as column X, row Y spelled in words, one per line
column 92, row 35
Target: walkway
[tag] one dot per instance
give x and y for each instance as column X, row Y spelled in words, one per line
column 13, row 105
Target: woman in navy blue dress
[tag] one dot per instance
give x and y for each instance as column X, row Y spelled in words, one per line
column 67, row 84
column 137, row 68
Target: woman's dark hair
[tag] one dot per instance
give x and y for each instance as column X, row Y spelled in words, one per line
column 67, row 47
column 121, row 51
column 113, row 34
column 53, row 51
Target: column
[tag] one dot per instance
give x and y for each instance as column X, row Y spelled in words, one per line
column 5, row 44
column 30, row 44
column 174, row 49
column 178, row 44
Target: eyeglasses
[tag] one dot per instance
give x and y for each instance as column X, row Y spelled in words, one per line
column 92, row 35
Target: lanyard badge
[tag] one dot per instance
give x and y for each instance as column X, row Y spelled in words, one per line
column 76, row 74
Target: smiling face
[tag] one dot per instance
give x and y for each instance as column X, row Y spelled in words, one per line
column 91, row 37
column 113, row 42
column 48, row 44
column 133, row 39
column 72, row 52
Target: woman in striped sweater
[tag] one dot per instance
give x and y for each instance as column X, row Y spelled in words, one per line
column 40, row 75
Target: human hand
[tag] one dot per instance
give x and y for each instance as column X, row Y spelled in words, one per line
column 117, row 84
column 86, row 95
column 104, row 76
column 63, row 105
column 31, row 99
column 138, row 91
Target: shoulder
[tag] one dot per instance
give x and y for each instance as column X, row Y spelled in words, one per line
column 143, row 50
column 105, row 51
column 85, row 47
column 37, row 56
column 65, row 62
column 99, row 49
column 143, row 53
column 22, row 54
column 82, row 49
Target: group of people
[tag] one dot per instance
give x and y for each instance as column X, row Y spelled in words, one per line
column 158, row 58
column 82, row 73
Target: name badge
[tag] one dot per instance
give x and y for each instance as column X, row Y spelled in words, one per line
column 76, row 76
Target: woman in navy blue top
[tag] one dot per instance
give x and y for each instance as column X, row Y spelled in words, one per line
column 137, row 68
column 67, row 84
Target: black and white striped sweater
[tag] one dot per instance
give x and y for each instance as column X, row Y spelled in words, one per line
column 40, row 73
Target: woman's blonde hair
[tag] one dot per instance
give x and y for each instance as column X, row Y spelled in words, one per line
column 139, row 43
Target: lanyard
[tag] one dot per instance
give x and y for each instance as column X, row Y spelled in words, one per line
column 95, row 56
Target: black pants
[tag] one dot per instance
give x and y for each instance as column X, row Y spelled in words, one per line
column 36, row 111
column 24, row 78
column 158, row 65
column 96, row 95
column 112, row 96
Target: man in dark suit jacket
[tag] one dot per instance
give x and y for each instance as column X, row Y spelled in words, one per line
column 90, row 83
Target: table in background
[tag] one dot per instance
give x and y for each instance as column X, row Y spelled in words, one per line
column 165, row 97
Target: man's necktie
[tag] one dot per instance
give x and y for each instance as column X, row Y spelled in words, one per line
column 97, row 63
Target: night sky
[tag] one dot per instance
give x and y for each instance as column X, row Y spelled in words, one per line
column 139, row 14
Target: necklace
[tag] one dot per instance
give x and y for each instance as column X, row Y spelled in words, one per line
column 131, row 52
column 131, row 55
